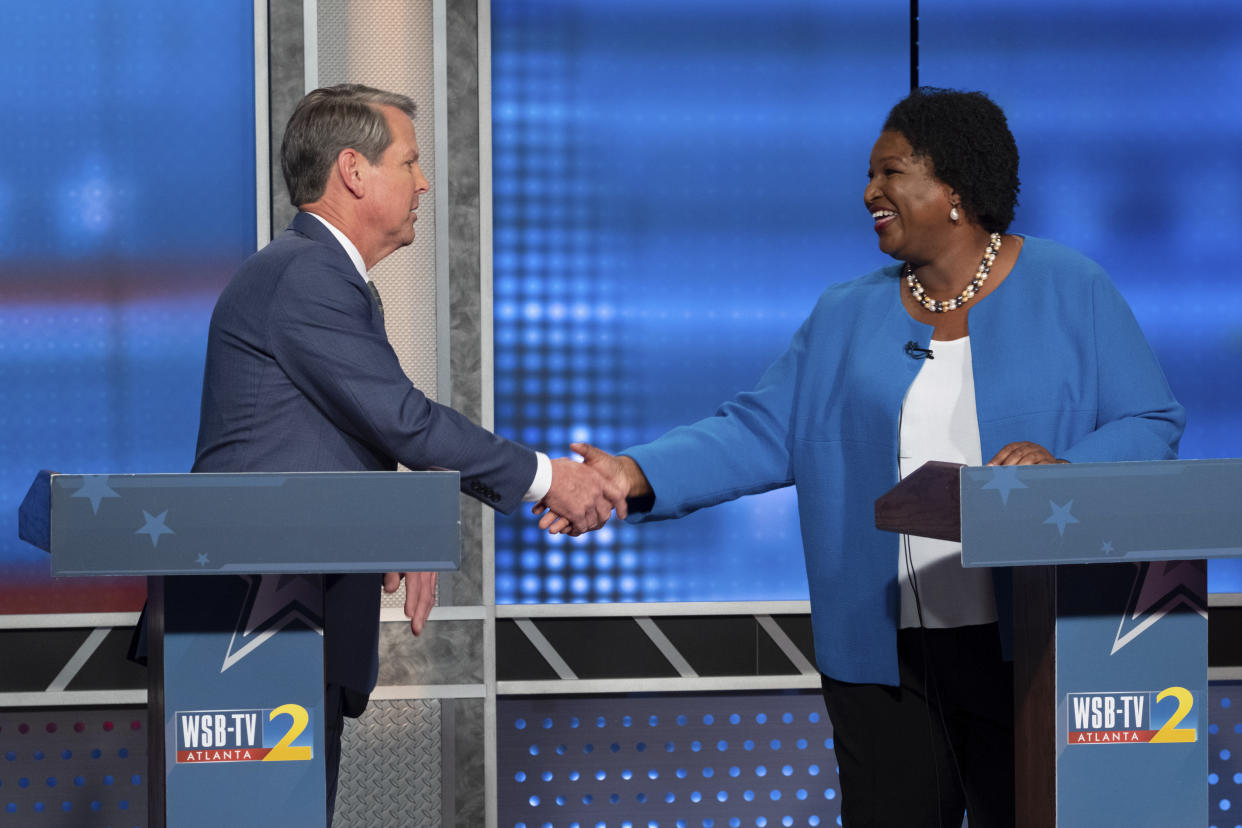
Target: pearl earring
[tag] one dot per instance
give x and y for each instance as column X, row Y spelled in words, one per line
column 954, row 215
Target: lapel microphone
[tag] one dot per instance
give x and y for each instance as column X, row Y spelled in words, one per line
column 915, row 352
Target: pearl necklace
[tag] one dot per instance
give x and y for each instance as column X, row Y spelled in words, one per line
column 981, row 276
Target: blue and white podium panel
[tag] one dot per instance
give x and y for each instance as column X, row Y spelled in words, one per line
column 181, row 524
column 1132, row 695
column 1101, row 512
column 1131, row 638
column 243, row 689
column 236, row 632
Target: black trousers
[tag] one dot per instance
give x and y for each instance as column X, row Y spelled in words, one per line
column 338, row 702
column 940, row 744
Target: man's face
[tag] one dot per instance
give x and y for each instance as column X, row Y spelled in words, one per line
column 393, row 186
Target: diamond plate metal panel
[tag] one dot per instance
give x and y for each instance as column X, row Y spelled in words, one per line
column 388, row 44
column 396, row 600
column 390, row 767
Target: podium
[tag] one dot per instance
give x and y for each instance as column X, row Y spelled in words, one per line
column 235, row 660
column 1110, row 622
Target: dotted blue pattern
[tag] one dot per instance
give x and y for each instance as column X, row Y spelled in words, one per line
column 73, row 768
column 1224, row 753
column 678, row 186
column 1124, row 87
column 678, row 761
column 673, row 188
column 134, row 205
column 687, row 761
column 664, row 216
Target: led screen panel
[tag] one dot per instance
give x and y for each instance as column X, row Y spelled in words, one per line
column 1129, row 138
column 674, row 185
column 127, row 202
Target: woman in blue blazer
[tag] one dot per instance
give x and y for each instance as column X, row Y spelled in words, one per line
column 978, row 345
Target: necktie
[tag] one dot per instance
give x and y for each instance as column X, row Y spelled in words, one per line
column 379, row 303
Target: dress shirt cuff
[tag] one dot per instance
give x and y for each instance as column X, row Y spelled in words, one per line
column 543, row 479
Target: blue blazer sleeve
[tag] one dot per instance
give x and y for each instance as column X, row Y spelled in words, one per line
column 743, row 449
column 1138, row 417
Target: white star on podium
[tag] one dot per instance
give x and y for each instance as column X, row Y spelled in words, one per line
column 1004, row 480
column 95, row 487
column 155, row 527
column 1061, row 516
column 1160, row 587
column 272, row 603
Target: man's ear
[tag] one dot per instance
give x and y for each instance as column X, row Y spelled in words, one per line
column 349, row 166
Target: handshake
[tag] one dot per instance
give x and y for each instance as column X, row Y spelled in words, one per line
column 583, row 495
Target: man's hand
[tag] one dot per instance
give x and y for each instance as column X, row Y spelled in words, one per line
column 420, row 595
column 1023, row 454
column 580, row 499
column 621, row 472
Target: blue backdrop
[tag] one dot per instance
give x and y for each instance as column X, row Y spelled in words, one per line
column 676, row 183
column 126, row 201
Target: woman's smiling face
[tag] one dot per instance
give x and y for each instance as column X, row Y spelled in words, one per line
column 909, row 205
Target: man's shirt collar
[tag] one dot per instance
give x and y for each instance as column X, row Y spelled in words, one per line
column 350, row 250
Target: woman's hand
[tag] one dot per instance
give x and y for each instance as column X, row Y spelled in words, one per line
column 1023, row 454
column 621, row 472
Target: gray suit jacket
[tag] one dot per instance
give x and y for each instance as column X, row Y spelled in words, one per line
column 300, row 377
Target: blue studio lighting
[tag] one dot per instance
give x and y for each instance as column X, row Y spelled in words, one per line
column 687, row 205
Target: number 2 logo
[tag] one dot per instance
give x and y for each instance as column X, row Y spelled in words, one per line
column 285, row 750
column 1170, row 732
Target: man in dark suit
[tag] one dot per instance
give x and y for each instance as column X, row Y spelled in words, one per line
column 300, row 375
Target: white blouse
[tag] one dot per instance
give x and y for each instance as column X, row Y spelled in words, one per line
column 938, row 422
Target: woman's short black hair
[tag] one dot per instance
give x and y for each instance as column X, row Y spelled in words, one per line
column 967, row 139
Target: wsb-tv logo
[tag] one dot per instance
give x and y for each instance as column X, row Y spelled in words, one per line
column 282, row 734
column 1145, row 717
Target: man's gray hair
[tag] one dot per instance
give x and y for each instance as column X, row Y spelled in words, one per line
column 327, row 121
